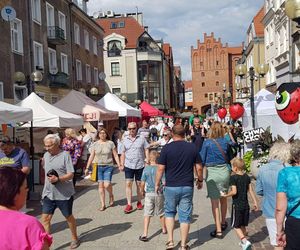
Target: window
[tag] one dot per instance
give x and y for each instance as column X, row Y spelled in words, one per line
column 86, row 40
column 217, row 62
column 76, row 34
column 95, row 45
column 96, row 77
column 52, row 61
column 115, row 68
column 217, row 73
column 114, row 48
column 217, row 83
column 38, row 56
column 20, row 92
column 50, row 15
column 62, row 22
column 16, row 36
column 88, row 73
column 64, row 63
column 202, row 74
column 205, row 95
column 78, row 70
column 201, row 64
column 211, row 97
column 116, row 91
column 121, row 24
column 113, row 25
column 36, row 11
column 1, row 91
column 203, row 84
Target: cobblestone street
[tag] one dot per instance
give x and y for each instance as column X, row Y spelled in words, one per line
column 112, row 229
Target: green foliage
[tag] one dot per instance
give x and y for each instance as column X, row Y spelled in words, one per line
column 247, row 159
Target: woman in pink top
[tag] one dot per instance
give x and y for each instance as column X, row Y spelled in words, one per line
column 18, row 230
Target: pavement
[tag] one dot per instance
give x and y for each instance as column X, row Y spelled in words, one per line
column 112, row 229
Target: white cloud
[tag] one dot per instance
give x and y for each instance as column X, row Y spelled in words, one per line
column 181, row 23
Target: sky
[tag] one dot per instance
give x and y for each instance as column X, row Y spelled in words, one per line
column 182, row 22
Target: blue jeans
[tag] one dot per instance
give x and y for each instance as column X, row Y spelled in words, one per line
column 181, row 199
column 105, row 173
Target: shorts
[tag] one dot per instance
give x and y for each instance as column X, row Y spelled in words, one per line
column 180, row 198
column 272, row 230
column 133, row 174
column 292, row 232
column 65, row 206
column 154, row 205
column 239, row 217
column 104, row 173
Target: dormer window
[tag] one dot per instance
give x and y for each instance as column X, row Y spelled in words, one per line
column 114, row 48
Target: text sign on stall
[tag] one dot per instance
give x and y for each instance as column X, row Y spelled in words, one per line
column 253, row 135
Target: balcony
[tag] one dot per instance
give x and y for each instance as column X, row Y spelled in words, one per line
column 58, row 80
column 56, row 35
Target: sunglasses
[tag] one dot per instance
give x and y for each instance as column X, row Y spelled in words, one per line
column 165, row 135
column 131, row 128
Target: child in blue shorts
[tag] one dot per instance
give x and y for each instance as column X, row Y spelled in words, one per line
column 154, row 203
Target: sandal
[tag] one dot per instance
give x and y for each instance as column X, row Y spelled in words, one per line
column 186, row 247
column 170, row 245
column 102, row 208
column 216, row 234
column 74, row 244
column 143, row 238
column 224, row 226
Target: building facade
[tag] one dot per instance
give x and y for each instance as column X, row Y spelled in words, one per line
column 213, row 71
column 42, row 38
column 135, row 64
column 188, row 94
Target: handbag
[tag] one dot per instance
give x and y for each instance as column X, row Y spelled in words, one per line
column 94, row 172
column 293, row 209
column 224, row 155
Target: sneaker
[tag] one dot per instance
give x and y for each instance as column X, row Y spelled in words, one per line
column 139, row 205
column 246, row 245
column 128, row 209
column 87, row 177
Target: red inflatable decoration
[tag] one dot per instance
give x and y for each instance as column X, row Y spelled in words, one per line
column 222, row 112
column 236, row 111
column 288, row 102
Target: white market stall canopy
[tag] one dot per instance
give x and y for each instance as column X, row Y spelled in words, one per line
column 114, row 103
column 266, row 115
column 78, row 103
column 11, row 114
column 46, row 115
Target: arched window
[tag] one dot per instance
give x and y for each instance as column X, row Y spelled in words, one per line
column 202, row 74
column 114, row 48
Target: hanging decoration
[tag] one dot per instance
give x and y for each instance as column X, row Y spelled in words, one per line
column 222, row 112
column 236, row 111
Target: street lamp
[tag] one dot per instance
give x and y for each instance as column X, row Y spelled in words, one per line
column 94, row 91
column 137, row 102
column 124, row 98
column 241, row 70
column 292, row 10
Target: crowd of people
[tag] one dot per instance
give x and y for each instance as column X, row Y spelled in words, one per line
column 165, row 159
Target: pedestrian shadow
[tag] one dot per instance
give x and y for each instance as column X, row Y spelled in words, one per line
column 259, row 236
column 254, row 215
column 194, row 218
column 123, row 202
column 203, row 235
column 60, row 226
column 100, row 232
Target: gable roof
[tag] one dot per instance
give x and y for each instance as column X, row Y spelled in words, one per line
column 258, row 25
column 131, row 31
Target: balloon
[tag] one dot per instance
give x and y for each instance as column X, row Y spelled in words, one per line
column 222, row 112
column 236, row 111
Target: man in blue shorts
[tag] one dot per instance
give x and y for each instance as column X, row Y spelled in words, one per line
column 134, row 155
column 178, row 160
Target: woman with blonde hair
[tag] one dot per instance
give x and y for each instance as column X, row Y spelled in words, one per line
column 266, row 184
column 214, row 154
column 102, row 154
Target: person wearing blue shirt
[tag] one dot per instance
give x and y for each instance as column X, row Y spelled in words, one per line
column 288, row 202
column 13, row 156
column 215, row 158
column 266, row 184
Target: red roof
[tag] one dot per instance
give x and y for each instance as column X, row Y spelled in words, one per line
column 149, row 110
column 188, row 84
column 257, row 20
column 131, row 31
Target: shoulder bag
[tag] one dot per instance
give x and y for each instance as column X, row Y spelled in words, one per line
column 293, row 209
column 223, row 153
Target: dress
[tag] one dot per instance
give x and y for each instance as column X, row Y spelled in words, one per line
column 21, row 231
